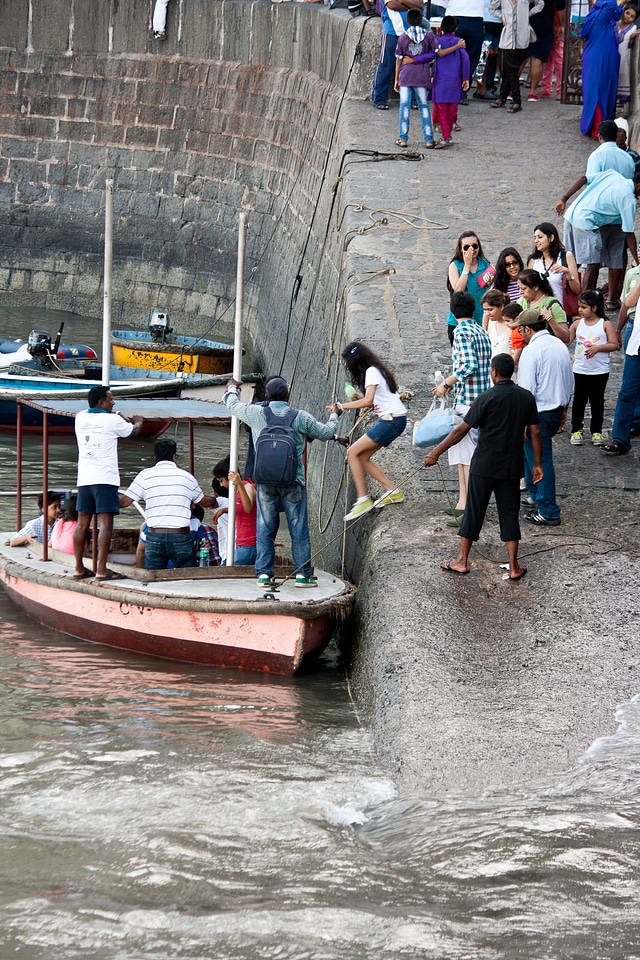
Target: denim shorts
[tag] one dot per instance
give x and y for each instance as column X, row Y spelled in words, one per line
column 386, row 431
column 98, row 498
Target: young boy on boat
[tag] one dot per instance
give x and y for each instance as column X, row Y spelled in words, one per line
column 34, row 529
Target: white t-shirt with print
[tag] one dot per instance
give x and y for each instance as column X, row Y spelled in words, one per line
column 97, row 433
column 384, row 401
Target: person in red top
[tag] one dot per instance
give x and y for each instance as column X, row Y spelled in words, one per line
column 246, row 512
column 246, row 516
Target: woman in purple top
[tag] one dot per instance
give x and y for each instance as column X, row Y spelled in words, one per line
column 413, row 72
column 451, row 79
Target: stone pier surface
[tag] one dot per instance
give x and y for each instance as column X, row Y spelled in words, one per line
column 472, row 683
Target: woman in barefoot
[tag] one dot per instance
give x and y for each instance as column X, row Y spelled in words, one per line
column 378, row 389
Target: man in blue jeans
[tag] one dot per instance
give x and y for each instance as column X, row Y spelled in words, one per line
column 628, row 398
column 394, row 24
column 272, row 500
column 545, row 370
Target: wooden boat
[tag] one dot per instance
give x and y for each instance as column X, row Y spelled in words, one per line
column 213, row 615
column 208, row 617
column 158, row 348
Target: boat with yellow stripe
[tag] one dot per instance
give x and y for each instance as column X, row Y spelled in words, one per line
column 159, row 348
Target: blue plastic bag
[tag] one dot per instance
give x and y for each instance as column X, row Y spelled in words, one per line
column 438, row 424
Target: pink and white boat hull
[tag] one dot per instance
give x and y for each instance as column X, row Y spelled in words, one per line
column 248, row 634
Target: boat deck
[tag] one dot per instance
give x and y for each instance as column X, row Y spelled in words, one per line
column 193, row 583
column 195, row 586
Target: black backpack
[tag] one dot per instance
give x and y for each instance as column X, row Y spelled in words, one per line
column 276, row 456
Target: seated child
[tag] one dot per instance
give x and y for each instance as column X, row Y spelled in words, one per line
column 63, row 531
column 203, row 533
column 34, row 529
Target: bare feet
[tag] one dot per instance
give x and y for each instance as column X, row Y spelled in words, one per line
column 516, row 573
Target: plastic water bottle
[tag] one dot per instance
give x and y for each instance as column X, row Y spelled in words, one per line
column 438, row 378
column 350, row 391
column 204, row 555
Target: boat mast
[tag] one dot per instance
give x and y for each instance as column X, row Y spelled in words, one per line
column 237, row 375
column 106, row 306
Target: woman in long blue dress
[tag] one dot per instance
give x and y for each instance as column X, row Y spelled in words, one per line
column 600, row 65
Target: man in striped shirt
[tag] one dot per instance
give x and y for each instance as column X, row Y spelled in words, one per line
column 168, row 493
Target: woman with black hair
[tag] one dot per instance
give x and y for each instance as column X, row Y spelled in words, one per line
column 508, row 266
column 465, row 275
column 553, row 262
column 536, row 294
column 377, row 388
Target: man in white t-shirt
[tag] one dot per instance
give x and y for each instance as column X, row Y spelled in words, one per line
column 168, row 493
column 98, row 430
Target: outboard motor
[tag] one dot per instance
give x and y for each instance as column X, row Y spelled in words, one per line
column 159, row 325
column 39, row 345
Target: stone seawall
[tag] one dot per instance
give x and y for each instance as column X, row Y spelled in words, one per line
column 240, row 107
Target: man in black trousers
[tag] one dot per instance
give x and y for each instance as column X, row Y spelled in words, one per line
column 502, row 414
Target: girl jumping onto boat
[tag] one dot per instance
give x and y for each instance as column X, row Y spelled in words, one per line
column 377, row 388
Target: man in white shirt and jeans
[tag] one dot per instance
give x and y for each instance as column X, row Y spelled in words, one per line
column 544, row 369
column 97, row 432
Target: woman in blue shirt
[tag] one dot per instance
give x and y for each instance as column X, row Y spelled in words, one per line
column 466, row 268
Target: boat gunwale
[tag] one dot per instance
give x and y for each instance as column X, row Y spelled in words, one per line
column 201, row 347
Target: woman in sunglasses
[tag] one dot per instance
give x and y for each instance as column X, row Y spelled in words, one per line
column 508, row 266
column 466, row 270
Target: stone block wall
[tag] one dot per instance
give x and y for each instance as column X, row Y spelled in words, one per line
column 239, row 108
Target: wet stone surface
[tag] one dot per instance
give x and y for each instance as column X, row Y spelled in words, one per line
column 471, row 683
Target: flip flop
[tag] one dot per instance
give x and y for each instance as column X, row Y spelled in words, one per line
column 83, row 576
column 614, row 449
column 111, row 575
column 446, row 565
column 507, row 576
column 514, row 108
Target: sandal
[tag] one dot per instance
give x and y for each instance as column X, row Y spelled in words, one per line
column 381, row 106
column 514, row 108
column 496, row 104
column 430, row 145
column 457, row 127
column 615, row 449
column 111, row 575
column 612, row 305
column 401, row 143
